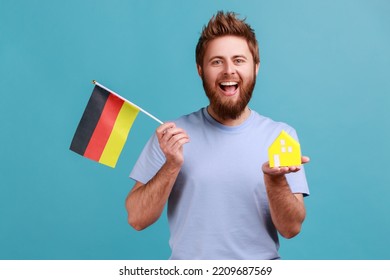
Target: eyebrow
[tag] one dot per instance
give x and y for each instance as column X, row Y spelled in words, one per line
column 215, row 57
column 240, row 55
column 221, row 57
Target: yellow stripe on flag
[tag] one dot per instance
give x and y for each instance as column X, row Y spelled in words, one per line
column 118, row 136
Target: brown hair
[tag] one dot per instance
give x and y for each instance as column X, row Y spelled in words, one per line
column 223, row 24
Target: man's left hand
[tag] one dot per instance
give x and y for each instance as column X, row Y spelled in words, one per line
column 283, row 170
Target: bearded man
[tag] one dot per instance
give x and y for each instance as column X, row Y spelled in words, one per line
column 211, row 166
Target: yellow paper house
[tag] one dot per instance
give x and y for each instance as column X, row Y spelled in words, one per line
column 284, row 151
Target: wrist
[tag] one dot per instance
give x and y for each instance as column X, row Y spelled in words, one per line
column 272, row 180
column 172, row 168
column 274, row 177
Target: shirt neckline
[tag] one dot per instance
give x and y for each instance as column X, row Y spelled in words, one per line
column 226, row 128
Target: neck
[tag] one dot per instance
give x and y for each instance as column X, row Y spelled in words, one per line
column 230, row 122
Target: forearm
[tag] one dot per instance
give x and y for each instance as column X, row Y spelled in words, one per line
column 287, row 210
column 145, row 203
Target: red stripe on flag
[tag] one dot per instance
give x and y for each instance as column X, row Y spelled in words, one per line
column 104, row 127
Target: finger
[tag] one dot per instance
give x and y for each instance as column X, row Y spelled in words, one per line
column 177, row 141
column 173, row 150
column 177, row 145
column 168, row 140
column 305, row 159
column 277, row 171
column 173, row 134
column 294, row 168
column 291, row 168
column 176, row 135
column 285, row 169
column 162, row 129
column 270, row 170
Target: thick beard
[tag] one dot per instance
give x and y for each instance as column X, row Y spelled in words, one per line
column 226, row 110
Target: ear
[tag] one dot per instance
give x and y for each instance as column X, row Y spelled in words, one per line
column 199, row 70
column 257, row 68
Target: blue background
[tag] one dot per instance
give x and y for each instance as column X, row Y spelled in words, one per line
column 324, row 70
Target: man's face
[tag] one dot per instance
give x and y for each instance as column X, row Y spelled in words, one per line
column 229, row 76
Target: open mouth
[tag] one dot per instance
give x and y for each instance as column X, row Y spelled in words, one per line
column 228, row 87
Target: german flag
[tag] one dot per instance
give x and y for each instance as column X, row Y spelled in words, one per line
column 104, row 127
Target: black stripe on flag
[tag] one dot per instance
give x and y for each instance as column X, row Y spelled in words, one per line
column 89, row 120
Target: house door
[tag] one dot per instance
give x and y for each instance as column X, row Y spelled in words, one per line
column 276, row 161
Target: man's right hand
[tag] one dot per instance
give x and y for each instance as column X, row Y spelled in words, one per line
column 146, row 202
column 171, row 140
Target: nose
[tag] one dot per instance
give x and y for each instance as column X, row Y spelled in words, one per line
column 229, row 68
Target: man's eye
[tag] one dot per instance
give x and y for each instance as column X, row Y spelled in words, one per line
column 216, row 62
column 239, row 61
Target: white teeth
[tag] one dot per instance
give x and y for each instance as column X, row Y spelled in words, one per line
column 229, row 83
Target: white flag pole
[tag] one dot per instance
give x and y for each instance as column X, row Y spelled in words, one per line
column 124, row 99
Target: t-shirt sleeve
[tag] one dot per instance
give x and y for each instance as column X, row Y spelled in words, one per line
column 149, row 162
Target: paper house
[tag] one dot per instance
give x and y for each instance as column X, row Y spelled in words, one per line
column 284, row 151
